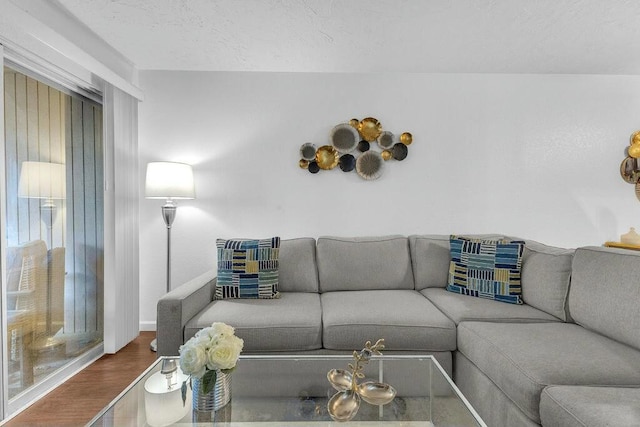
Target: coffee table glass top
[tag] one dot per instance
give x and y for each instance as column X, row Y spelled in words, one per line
column 277, row 390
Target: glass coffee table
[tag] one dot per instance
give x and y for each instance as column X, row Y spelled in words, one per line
column 277, row 390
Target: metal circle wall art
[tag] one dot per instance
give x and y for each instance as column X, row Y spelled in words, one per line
column 351, row 147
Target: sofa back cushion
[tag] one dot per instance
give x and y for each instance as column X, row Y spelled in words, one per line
column 546, row 272
column 605, row 292
column 430, row 258
column 367, row 263
column 298, row 270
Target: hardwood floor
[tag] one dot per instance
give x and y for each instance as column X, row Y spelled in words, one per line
column 79, row 399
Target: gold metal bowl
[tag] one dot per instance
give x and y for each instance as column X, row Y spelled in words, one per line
column 406, row 138
column 340, row 379
column 343, row 405
column 327, row 157
column 376, row 393
column 370, row 129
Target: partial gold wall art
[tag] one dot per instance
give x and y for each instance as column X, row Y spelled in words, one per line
column 352, row 147
column 630, row 166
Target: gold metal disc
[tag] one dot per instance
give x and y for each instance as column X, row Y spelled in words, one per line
column 304, row 164
column 386, row 155
column 327, row 157
column 370, row 129
column 406, row 138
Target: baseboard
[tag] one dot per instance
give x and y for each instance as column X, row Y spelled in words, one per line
column 148, row 326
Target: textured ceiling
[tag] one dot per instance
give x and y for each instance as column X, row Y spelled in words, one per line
column 467, row 36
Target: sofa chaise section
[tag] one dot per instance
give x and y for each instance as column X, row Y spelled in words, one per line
column 522, row 359
column 600, row 349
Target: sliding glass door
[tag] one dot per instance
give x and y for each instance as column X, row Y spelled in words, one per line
column 53, row 253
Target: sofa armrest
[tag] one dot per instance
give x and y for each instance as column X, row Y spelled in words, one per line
column 177, row 307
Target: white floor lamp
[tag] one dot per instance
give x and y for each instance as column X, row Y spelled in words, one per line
column 169, row 181
column 45, row 181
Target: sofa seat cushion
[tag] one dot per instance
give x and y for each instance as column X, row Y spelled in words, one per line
column 578, row 406
column 460, row 308
column 292, row 322
column 523, row 358
column 404, row 318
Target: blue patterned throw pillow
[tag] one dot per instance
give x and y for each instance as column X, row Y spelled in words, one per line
column 247, row 268
column 486, row 268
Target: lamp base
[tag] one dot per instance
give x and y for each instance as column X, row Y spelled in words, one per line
column 154, row 345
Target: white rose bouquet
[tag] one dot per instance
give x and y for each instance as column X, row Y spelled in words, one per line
column 212, row 348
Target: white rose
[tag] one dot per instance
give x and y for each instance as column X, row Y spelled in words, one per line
column 202, row 340
column 225, row 354
column 221, row 330
column 193, row 360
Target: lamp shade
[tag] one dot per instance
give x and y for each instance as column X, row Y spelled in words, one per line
column 169, row 180
column 41, row 180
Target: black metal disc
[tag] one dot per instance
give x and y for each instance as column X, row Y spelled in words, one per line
column 347, row 162
column 400, row 151
column 363, row 146
column 313, row 167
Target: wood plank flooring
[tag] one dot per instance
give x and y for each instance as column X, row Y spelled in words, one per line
column 79, row 399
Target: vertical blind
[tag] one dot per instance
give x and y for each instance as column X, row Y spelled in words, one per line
column 122, row 216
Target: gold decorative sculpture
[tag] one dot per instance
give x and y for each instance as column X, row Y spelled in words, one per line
column 344, row 405
column 630, row 166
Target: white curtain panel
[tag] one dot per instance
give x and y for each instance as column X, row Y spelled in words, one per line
column 121, row 272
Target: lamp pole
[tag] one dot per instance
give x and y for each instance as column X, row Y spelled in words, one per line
column 169, row 214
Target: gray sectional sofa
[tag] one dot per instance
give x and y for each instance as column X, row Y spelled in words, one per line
column 568, row 356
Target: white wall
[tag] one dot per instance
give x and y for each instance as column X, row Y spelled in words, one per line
column 535, row 156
